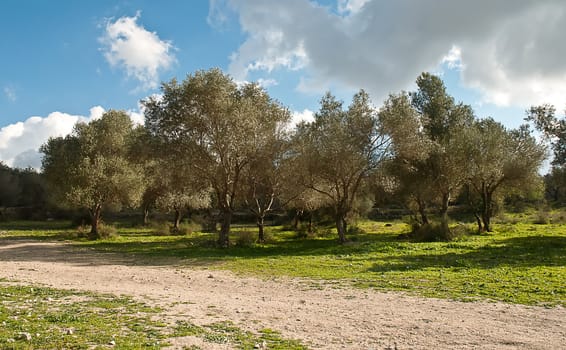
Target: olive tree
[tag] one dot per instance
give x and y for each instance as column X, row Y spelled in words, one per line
column 425, row 134
column 220, row 125
column 90, row 168
column 498, row 160
column 338, row 151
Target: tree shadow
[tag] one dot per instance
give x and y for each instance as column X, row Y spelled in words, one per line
column 516, row 252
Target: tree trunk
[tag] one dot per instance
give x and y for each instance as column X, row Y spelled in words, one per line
column 146, row 215
column 340, row 228
column 310, row 228
column 444, row 215
column 297, row 219
column 479, row 222
column 422, row 212
column 177, row 221
column 486, row 211
column 224, row 235
column 95, row 215
column 260, row 229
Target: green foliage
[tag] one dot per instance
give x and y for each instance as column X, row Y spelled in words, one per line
column 221, row 126
column 91, row 167
column 336, row 153
column 246, row 239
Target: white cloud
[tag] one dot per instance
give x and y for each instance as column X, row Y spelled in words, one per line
column 511, row 53
column 10, row 93
column 141, row 53
column 267, row 82
column 305, row 116
column 454, row 58
column 20, row 142
column 350, row 6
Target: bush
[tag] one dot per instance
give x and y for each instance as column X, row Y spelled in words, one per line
column 435, row 233
column 107, row 231
column 542, row 218
column 245, row 239
column 161, row 228
column 355, row 230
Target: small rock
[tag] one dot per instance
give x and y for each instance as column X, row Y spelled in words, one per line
column 262, row 345
column 24, row 336
column 69, row 331
column 210, row 276
column 112, row 343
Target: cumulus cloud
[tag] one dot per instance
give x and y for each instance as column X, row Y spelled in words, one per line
column 141, row 53
column 511, row 53
column 305, row 116
column 20, row 142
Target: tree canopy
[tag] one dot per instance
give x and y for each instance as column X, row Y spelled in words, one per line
column 91, row 168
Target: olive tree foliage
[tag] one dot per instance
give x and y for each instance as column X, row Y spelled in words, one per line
column 554, row 130
column 168, row 184
column 91, row 167
column 264, row 180
column 338, row 151
column 425, row 126
column 545, row 120
column 410, row 146
column 220, row 126
column 498, row 161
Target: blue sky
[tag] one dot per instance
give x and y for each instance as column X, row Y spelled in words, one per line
column 64, row 61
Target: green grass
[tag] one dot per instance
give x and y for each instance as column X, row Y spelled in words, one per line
column 517, row 263
column 45, row 318
column 227, row 333
column 34, row 317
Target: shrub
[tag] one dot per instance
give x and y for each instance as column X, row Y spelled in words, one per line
column 542, row 217
column 107, row 231
column 245, row 239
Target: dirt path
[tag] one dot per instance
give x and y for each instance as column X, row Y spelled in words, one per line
column 320, row 315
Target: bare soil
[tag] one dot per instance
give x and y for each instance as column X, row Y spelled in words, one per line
column 323, row 315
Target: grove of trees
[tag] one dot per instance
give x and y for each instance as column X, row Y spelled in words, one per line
column 209, row 143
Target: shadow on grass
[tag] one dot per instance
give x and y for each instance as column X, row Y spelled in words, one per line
column 146, row 249
column 516, row 252
column 34, row 225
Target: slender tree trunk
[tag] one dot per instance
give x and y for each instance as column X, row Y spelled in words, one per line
column 260, row 229
column 297, row 219
column 95, row 215
column 224, row 235
column 422, row 212
column 310, row 228
column 340, row 228
column 444, row 215
column 479, row 222
column 487, row 212
column 177, row 220
column 146, row 215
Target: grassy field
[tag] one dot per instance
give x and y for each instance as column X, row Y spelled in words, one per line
column 34, row 317
column 518, row 263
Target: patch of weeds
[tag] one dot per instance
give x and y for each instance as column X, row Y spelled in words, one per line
column 246, row 239
column 227, row 332
column 44, row 318
column 185, row 328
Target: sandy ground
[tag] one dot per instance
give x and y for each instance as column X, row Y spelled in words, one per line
column 320, row 315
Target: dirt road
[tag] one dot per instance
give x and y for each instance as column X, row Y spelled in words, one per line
column 319, row 314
